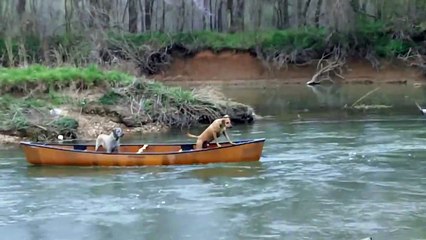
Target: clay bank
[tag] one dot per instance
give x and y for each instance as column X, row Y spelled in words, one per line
column 240, row 67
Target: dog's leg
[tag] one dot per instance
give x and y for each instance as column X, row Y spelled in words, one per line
column 97, row 144
column 227, row 137
column 117, row 147
column 108, row 149
column 215, row 138
column 199, row 144
column 108, row 146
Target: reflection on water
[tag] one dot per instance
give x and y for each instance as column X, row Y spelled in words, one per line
column 326, row 175
column 286, row 101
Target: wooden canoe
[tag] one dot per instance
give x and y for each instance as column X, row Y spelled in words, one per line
column 154, row 154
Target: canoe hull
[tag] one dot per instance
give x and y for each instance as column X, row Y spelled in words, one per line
column 39, row 154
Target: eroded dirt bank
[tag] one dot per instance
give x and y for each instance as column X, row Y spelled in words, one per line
column 230, row 65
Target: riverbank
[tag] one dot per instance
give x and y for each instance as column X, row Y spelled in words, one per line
column 39, row 103
column 239, row 67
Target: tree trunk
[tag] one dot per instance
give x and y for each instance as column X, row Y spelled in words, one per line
column 259, row 17
column 237, row 16
column 94, row 6
column 219, row 17
column 68, row 15
column 282, row 18
column 163, row 17
column 133, row 16
column 299, row 14
column 305, row 12
column 230, row 13
column 20, row 7
column 211, row 15
column 318, row 13
column 183, row 17
column 203, row 12
column 106, row 7
column 286, row 15
column 192, row 16
column 148, row 14
column 142, row 16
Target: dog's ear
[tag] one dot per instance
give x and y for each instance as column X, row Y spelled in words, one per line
column 222, row 123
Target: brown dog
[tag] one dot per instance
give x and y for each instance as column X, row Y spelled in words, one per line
column 213, row 132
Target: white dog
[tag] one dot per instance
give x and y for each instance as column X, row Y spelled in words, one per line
column 111, row 143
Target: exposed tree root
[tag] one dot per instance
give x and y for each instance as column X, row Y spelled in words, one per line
column 414, row 59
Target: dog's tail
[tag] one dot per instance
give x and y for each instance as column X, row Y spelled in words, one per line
column 191, row 135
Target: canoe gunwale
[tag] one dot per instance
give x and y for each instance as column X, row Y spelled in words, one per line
column 57, row 146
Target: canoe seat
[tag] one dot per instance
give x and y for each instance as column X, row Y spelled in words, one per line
column 187, row 147
column 80, row 147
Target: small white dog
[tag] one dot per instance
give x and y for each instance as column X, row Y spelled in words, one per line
column 111, row 143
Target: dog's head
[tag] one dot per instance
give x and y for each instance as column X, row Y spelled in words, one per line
column 226, row 122
column 118, row 133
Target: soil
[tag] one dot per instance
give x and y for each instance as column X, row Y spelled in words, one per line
column 229, row 66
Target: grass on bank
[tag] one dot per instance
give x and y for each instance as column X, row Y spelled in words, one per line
column 59, row 77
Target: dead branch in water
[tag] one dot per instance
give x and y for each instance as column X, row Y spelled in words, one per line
column 329, row 68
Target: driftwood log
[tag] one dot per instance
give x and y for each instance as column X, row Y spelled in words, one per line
column 329, row 67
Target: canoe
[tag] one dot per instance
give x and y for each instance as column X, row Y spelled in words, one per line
column 154, row 154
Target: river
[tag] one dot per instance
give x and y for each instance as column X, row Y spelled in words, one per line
column 325, row 173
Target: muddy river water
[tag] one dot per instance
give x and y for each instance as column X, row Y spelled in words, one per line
column 326, row 173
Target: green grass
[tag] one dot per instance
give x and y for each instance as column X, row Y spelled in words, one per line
column 60, row 76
